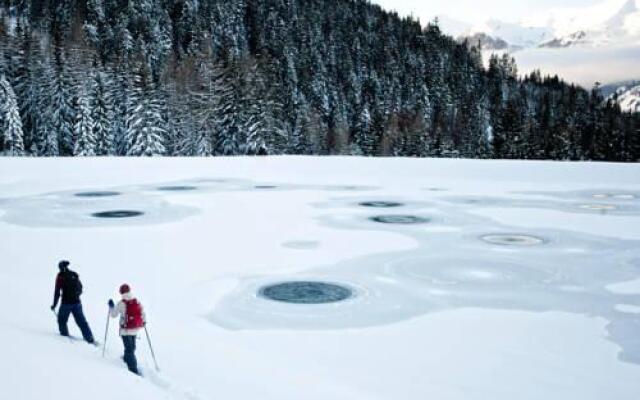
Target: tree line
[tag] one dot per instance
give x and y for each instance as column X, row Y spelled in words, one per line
column 257, row 77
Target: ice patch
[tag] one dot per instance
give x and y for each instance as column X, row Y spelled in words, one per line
column 444, row 272
column 380, row 204
column 67, row 209
column 630, row 287
column 400, row 219
column 182, row 188
column 347, row 188
column 306, row 292
column 265, row 187
column 628, row 308
column 97, row 194
column 603, row 196
column 118, row 214
column 513, row 239
column 371, row 302
column 598, row 207
column 569, row 202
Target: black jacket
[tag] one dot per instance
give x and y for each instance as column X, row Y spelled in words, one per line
column 68, row 284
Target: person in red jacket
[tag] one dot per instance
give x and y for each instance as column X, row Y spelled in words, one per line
column 132, row 319
column 69, row 288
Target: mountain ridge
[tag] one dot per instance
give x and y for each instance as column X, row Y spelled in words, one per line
column 583, row 27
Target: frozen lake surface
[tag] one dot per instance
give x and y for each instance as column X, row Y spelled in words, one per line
column 340, row 278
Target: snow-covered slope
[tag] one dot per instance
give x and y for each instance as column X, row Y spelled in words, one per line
column 628, row 98
column 595, row 27
column 518, row 280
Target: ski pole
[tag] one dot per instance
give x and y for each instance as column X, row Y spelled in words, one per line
column 151, row 348
column 106, row 330
column 54, row 313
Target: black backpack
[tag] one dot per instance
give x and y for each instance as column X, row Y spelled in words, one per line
column 71, row 285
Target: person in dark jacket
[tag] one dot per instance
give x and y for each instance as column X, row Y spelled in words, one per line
column 69, row 287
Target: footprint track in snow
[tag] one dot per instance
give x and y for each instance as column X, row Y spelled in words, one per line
column 174, row 391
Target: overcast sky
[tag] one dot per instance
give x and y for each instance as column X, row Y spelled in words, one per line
column 475, row 11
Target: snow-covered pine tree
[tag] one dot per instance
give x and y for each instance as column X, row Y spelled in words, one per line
column 363, row 134
column 101, row 104
column 12, row 138
column 264, row 134
column 122, row 90
column 203, row 107
column 46, row 136
column 62, row 112
column 227, row 109
column 85, row 143
column 96, row 27
column 301, row 129
column 145, row 125
column 24, row 80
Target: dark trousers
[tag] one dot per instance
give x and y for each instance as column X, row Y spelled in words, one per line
column 130, row 353
column 78, row 316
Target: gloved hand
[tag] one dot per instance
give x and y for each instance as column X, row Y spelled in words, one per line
column 53, row 307
column 111, row 304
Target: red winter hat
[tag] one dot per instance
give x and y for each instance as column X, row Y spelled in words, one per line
column 124, row 289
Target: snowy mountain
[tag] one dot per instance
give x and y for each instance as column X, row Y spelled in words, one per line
column 607, row 24
column 516, row 36
column 628, row 98
column 576, row 38
column 583, row 45
column 623, row 26
column 487, row 42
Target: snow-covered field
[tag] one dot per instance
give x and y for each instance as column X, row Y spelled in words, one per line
column 494, row 279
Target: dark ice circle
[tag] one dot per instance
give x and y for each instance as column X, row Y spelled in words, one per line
column 513, row 240
column 306, row 292
column 380, row 204
column 118, row 214
column 264, row 187
column 176, row 188
column 400, row 219
column 97, row 194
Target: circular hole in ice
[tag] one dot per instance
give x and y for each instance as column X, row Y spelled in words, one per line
column 180, row 188
column 306, row 292
column 598, row 207
column 118, row 214
column 265, row 187
column 513, row 240
column 437, row 189
column 97, row 194
column 380, row 204
column 400, row 219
